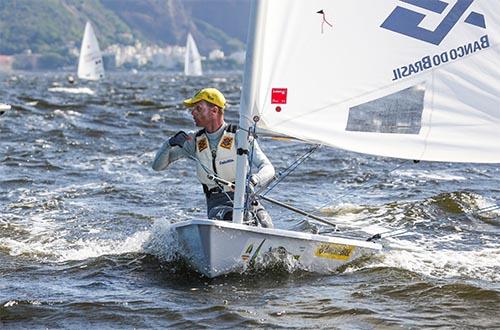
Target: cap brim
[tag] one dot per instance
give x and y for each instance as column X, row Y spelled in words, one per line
column 189, row 102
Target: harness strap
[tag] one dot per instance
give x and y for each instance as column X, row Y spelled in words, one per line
column 200, row 132
column 231, row 128
column 214, row 190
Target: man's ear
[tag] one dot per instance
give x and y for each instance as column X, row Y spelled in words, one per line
column 214, row 109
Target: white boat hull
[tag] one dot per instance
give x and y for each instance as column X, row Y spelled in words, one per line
column 4, row 108
column 215, row 248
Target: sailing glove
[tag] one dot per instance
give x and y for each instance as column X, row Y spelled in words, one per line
column 254, row 180
column 178, row 139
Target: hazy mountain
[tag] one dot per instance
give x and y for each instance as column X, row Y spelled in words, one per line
column 228, row 16
column 57, row 25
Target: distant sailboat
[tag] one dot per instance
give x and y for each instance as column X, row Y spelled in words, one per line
column 90, row 63
column 4, row 108
column 192, row 59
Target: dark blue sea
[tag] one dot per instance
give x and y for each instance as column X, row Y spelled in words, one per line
column 84, row 222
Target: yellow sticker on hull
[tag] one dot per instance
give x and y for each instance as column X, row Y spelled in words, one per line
column 334, row 251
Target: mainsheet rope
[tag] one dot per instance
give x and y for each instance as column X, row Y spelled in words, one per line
column 365, row 183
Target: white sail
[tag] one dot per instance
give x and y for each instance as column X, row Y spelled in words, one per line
column 215, row 248
column 192, row 58
column 411, row 79
column 90, row 66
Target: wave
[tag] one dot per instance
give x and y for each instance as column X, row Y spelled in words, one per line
column 47, row 249
column 421, row 256
column 72, row 90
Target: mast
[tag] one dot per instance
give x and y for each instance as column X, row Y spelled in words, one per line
column 252, row 66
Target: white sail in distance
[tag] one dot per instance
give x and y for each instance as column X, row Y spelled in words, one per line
column 409, row 79
column 90, row 66
column 192, row 58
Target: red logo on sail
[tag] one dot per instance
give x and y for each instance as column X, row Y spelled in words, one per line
column 278, row 95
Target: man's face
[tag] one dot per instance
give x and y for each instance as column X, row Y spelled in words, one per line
column 202, row 113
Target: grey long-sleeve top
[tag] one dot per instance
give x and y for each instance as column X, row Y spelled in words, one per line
column 168, row 154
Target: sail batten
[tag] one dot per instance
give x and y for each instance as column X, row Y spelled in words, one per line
column 359, row 76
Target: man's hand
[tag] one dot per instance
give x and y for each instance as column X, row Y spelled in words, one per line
column 178, row 139
column 254, row 180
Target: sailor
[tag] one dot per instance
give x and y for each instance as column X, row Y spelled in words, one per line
column 214, row 149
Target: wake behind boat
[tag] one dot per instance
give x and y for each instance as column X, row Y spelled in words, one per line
column 299, row 82
column 72, row 90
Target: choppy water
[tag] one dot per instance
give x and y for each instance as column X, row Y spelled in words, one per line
column 84, row 239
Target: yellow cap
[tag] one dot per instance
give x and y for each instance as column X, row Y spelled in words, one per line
column 211, row 95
